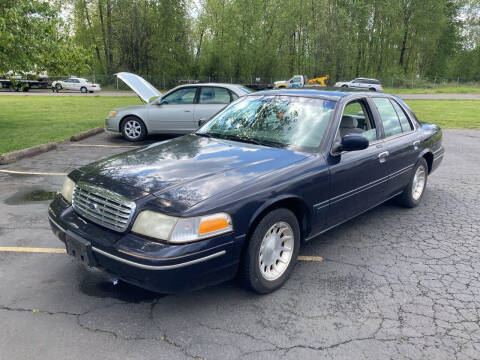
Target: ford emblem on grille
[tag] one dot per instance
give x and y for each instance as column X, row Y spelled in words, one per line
column 93, row 206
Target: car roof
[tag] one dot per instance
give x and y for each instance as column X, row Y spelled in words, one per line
column 365, row 79
column 335, row 95
column 227, row 85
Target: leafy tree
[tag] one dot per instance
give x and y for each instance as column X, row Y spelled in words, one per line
column 33, row 38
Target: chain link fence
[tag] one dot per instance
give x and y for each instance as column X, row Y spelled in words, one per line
column 161, row 82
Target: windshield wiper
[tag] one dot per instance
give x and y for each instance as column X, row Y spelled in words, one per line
column 250, row 140
column 207, row 135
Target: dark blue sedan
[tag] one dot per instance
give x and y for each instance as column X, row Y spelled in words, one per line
column 238, row 197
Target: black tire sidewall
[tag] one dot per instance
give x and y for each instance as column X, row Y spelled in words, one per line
column 82, row 90
column 255, row 279
column 142, row 125
column 58, row 87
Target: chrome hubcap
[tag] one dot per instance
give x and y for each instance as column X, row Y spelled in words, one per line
column 133, row 129
column 419, row 182
column 276, row 251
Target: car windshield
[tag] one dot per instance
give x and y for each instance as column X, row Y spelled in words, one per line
column 281, row 121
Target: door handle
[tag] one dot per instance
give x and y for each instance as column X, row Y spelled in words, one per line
column 187, row 110
column 416, row 144
column 382, row 157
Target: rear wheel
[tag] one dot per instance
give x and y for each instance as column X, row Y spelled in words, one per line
column 272, row 252
column 344, row 86
column 133, row 129
column 413, row 192
column 83, row 89
column 372, row 89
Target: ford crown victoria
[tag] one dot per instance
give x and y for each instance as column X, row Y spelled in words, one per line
column 239, row 196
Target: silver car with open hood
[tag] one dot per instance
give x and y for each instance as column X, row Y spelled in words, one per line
column 179, row 111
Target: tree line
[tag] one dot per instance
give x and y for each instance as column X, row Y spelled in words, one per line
column 275, row 38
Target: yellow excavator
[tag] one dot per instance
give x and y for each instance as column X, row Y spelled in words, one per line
column 319, row 81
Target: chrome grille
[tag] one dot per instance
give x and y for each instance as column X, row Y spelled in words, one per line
column 102, row 206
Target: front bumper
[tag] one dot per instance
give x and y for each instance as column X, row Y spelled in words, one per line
column 164, row 268
column 112, row 124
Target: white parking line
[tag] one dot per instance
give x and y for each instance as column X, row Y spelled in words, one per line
column 32, row 250
column 108, row 146
column 310, row 258
column 32, row 173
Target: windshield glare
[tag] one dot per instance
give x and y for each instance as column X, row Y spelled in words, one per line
column 282, row 120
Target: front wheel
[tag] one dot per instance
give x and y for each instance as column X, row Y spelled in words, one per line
column 413, row 192
column 272, row 252
column 133, row 129
column 58, row 87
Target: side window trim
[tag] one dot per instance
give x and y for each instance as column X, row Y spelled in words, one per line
column 376, row 118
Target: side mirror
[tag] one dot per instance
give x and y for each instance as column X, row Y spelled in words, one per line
column 352, row 142
column 202, row 121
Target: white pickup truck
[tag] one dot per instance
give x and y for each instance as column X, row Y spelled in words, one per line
column 295, row 82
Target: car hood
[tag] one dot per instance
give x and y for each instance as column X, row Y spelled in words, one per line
column 186, row 170
column 145, row 91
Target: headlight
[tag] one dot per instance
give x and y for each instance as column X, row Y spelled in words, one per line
column 112, row 113
column 67, row 189
column 181, row 230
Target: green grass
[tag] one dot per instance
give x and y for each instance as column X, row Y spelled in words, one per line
column 436, row 90
column 448, row 114
column 32, row 120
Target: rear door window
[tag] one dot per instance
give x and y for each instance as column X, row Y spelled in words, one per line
column 214, row 95
column 389, row 117
column 404, row 122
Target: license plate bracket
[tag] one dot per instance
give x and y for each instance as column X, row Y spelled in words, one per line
column 80, row 249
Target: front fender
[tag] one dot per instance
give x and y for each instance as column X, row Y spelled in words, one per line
column 270, row 203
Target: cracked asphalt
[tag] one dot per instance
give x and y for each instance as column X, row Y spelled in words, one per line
column 395, row 283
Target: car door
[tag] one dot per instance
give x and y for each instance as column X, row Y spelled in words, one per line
column 67, row 84
column 75, row 84
column 401, row 142
column 211, row 100
column 174, row 113
column 358, row 179
column 296, row 82
column 356, row 83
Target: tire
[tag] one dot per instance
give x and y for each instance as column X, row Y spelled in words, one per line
column 83, row 90
column 372, row 89
column 133, row 129
column 257, row 271
column 344, row 86
column 58, row 87
column 413, row 193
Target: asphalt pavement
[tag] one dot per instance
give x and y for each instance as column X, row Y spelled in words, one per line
column 394, row 283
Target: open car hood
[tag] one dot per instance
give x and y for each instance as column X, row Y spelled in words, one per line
column 145, row 91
